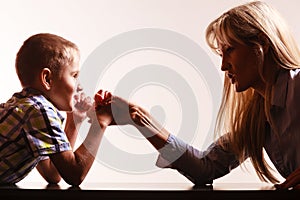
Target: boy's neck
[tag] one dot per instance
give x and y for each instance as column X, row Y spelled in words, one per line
column 33, row 90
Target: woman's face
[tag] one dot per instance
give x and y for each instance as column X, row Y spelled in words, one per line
column 241, row 64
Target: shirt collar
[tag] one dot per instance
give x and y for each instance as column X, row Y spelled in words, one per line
column 279, row 90
column 28, row 91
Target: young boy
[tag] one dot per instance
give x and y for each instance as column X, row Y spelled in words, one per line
column 31, row 126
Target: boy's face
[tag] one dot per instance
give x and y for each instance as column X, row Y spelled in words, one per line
column 64, row 87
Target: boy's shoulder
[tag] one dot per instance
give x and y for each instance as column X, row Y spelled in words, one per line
column 28, row 100
column 27, row 97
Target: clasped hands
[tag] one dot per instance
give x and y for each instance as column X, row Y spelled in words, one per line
column 113, row 110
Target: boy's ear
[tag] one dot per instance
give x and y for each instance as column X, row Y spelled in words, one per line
column 46, row 78
column 264, row 41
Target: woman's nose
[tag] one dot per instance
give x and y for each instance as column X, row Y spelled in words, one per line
column 224, row 66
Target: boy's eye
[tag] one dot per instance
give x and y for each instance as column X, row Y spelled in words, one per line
column 75, row 75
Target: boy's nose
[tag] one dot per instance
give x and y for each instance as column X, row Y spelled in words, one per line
column 79, row 88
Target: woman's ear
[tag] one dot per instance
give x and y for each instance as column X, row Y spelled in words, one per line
column 264, row 42
column 46, row 78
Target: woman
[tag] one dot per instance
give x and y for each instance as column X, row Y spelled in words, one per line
column 259, row 109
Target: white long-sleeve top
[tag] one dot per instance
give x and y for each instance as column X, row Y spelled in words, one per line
column 202, row 167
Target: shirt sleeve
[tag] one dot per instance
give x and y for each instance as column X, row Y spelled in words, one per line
column 44, row 132
column 199, row 167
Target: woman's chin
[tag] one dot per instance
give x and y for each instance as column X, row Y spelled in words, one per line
column 238, row 88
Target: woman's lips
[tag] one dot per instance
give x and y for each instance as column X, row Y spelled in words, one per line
column 232, row 78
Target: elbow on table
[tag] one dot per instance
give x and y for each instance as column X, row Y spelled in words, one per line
column 74, row 181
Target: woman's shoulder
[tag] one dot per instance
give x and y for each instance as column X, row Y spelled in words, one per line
column 293, row 79
column 293, row 87
column 286, row 87
column 294, row 73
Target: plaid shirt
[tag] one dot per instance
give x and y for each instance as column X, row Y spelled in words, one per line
column 30, row 128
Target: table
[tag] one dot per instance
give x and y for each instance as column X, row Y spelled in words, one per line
column 147, row 191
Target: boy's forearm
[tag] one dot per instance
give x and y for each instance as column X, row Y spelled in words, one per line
column 48, row 171
column 81, row 160
column 71, row 129
column 94, row 137
column 85, row 154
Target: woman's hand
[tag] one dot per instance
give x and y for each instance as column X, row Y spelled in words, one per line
column 82, row 104
column 114, row 110
column 121, row 111
column 292, row 181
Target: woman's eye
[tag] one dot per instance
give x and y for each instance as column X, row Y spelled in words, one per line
column 229, row 49
column 219, row 52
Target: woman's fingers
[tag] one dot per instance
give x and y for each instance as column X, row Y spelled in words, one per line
column 292, row 181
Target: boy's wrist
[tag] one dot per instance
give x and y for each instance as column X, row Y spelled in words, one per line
column 101, row 124
column 72, row 120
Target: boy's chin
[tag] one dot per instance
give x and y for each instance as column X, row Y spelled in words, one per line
column 69, row 108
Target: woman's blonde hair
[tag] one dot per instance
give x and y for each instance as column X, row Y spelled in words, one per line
column 243, row 115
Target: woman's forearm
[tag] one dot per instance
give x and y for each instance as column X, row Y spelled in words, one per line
column 150, row 128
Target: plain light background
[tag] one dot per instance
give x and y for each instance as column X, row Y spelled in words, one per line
column 92, row 22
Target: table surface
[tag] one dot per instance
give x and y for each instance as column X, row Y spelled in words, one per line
column 145, row 186
column 147, row 191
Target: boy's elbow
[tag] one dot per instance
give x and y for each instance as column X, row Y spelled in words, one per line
column 74, row 181
column 53, row 180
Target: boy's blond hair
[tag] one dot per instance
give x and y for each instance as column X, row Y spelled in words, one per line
column 43, row 50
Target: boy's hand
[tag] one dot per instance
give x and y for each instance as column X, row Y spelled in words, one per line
column 112, row 110
column 82, row 104
column 102, row 109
